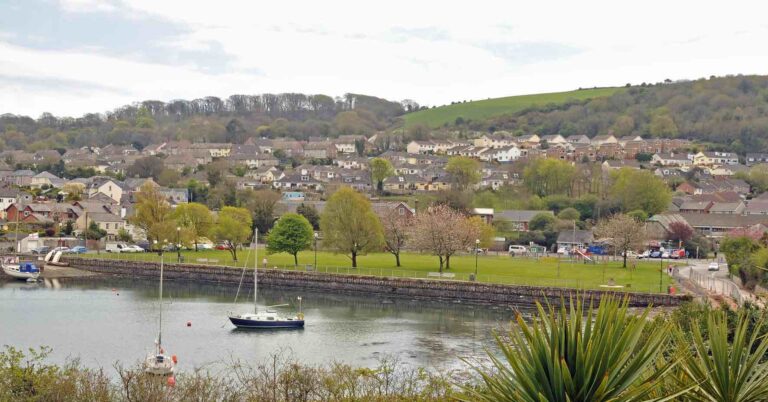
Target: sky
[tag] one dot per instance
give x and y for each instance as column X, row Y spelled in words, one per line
column 71, row 57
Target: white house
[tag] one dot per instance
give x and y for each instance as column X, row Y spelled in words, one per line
column 420, row 147
column 107, row 187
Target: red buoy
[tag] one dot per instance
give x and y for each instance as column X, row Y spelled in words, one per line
column 173, row 358
column 171, row 381
column 189, row 323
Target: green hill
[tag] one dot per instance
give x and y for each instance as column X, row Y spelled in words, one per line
column 482, row 109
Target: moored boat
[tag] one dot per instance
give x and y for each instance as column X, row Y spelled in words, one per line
column 267, row 319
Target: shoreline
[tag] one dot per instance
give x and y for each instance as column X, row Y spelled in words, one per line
column 438, row 290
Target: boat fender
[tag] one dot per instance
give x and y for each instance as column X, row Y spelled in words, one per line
column 174, row 359
column 171, row 381
column 300, row 316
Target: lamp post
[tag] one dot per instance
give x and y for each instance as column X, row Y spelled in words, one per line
column 315, row 251
column 477, row 251
column 178, row 244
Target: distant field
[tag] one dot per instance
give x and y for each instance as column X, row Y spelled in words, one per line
column 491, row 268
column 498, row 106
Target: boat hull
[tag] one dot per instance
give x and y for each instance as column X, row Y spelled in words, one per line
column 21, row 275
column 262, row 324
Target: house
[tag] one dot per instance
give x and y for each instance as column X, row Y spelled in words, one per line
column 106, row 186
column 8, row 197
column 715, row 158
column 553, row 139
column 21, row 178
column 214, row 150
column 579, row 139
column 710, row 225
column 405, row 184
column 493, row 141
column 570, row 239
column 529, row 141
column 298, row 180
column 700, row 207
column 319, row 150
column 757, row 207
column 519, row 220
column 671, row 159
column 420, row 147
column 599, row 140
column 384, row 208
column 179, row 162
column 486, row 214
column 623, row 141
column 175, row 196
column 756, row 158
column 46, row 179
column 731, row 208
column 502, row 154
column 293, row 196
column 110, row 223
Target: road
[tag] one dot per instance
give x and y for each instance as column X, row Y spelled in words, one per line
column 716, row 282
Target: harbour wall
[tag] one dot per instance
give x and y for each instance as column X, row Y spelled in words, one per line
column 448, row 290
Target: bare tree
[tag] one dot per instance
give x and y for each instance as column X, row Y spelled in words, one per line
column 624, row 232
column 442, row 231
column 396, row 227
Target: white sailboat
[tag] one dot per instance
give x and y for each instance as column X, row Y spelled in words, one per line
column 20, row 269
column 158, row 362
column 266, row 319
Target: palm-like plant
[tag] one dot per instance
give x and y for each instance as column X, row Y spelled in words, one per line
column 577, row 354
column 724, row 371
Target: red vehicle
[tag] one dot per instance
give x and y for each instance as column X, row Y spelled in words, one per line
column 675, row 254
column 222, row 246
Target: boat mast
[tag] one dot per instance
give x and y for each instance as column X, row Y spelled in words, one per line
column 255, row 269
column 160, row 331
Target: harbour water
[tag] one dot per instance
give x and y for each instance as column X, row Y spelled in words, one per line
column 106, row 320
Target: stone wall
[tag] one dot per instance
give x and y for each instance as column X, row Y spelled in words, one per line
column 468, row 292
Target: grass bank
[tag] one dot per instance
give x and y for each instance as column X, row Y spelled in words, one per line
column 477, row 110
column 645, row 277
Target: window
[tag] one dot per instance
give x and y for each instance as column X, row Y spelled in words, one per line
column 401, row 211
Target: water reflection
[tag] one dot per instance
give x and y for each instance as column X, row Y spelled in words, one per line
column 103, row 320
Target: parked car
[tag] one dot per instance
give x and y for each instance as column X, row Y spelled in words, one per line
column 61, row 248
column 222, row 246
column 132, row 248
column 713, row 266
column 41, row 250
column 632, row 254
column 516, row 249
column 205, row 246
column 664, row 254
column 655, row 254
column 118, row 248
column 644, row 254
column 77, row 250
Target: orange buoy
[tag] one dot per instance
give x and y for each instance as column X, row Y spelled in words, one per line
column 173, row 358
column 189, row 323
column 171, row 381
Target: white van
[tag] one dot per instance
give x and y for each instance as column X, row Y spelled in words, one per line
column 516, row 249
column 117, row 248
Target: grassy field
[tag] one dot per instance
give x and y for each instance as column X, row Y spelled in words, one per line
column 491, row 268
column 498, row 106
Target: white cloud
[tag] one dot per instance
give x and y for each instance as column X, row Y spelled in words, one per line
column 428, row 51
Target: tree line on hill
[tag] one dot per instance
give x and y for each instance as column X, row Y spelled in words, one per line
column 730, row 112
column 209, row 119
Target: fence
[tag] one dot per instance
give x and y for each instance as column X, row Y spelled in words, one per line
column 544, row 281
column 720, row 286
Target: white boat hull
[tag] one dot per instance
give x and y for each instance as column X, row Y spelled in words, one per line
column 159, row 364
column 13, row 271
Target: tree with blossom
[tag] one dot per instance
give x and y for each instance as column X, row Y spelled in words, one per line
column 443, row 231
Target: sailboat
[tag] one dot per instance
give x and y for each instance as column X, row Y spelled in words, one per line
column 265, row 319
column 158, row 363
column 19, row 269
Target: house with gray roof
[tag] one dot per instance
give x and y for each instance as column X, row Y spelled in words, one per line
column 518, row 219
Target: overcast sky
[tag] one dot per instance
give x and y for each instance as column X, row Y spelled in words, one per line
column 70, row 57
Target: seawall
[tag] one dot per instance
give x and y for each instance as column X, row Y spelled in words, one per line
column 456, row 291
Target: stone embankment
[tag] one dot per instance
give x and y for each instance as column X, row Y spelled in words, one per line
column 454, row 291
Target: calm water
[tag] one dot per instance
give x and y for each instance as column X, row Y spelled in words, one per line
column 85, row 318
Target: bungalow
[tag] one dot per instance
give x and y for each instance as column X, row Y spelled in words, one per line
column 569, row 239
column 420, row 147
column 731, row 208
column 319, row 150
column 405, row 184
column 671, row 159
column 383, row 208
column 299, row 180
column 46, row 179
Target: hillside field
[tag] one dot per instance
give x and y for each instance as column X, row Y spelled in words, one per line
column 481, row 109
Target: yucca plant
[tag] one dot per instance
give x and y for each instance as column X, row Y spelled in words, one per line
column 577, row 353
column 727, row 366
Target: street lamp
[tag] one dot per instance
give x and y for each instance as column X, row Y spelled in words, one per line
column 477, row 251
column 315, row 251
column 178, row 244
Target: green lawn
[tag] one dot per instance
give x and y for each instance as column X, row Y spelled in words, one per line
column 491, row 268
column 493, row 107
